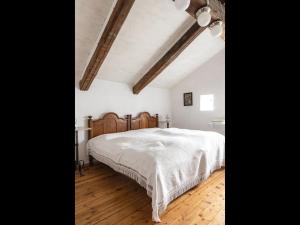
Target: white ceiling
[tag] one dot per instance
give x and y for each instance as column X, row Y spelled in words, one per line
column 150, row 29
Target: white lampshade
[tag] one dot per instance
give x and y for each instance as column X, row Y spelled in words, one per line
column 182, row 4
column 203, row 16
column 216, row 28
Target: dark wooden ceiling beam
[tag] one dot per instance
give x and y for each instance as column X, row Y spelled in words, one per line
column 116, row 20
column 169, row 57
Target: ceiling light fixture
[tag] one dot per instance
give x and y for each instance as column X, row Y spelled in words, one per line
column 203, row 16
column 182, row 4
column 216, row 28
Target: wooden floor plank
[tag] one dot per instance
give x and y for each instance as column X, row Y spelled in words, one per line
column 104, row 197
column 198, row 199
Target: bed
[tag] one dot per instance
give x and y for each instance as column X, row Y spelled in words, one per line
column 166, row 162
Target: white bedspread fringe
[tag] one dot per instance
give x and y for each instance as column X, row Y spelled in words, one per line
column 142, row 181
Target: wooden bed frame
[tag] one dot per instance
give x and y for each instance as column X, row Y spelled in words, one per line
column 112, row 123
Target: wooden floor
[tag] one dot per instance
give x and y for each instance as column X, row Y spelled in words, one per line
column 109, row 198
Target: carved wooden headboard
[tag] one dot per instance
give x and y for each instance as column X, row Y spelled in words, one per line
column 110, row 123
column 143, row 120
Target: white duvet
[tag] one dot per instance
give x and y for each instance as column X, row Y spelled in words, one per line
column 167, row 162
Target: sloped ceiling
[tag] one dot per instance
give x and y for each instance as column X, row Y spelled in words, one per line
column 150, row 29
column 90, row 18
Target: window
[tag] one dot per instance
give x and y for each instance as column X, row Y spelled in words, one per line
column 206, row 102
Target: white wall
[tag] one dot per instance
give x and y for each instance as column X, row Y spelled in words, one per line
column 208, row 79
column 106, row 96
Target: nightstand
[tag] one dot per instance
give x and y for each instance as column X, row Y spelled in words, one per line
column 79, row 163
